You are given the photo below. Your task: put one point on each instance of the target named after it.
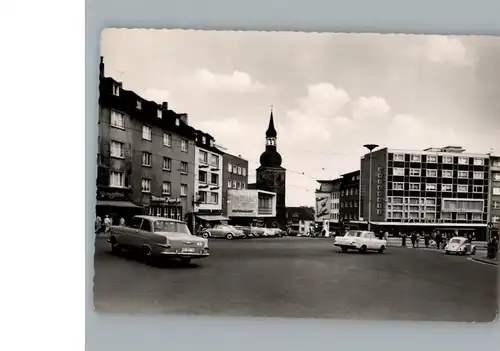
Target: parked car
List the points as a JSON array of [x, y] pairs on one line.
[[223, 231], [247, 230], [360, 240], [459, 246], [158, 237], [275, 232]]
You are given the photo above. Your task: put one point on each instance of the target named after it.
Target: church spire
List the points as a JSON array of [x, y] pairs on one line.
[[271, 131]]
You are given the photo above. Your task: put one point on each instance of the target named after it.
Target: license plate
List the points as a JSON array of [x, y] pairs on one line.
[[188, 250]]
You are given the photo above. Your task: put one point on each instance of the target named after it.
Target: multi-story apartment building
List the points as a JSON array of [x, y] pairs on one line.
[[208, 182], [234, 176], [435, 188], [494, 208], [146, 155], [349, 197], [328, 203]]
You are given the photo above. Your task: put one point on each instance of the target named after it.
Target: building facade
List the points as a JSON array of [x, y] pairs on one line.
[[234, 176], [272, 177], [250, 206], [349, 197], [300, 220], [435, 188], [208, 182], [327, 199], [494, 208], [145, 155]]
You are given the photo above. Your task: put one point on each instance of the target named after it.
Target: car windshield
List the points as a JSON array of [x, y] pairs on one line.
[[356, 233], [455, 241], [171, 227]]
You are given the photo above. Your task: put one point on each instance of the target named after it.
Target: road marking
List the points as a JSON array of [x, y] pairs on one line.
[[484, 263]]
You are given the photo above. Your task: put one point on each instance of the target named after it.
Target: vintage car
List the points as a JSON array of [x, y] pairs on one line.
[[223, 231], [275, 232], [247, 230], [459, 245], [158, 237], [360, 240]]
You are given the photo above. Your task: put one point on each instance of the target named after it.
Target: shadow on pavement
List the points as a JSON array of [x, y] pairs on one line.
[[155, 262]]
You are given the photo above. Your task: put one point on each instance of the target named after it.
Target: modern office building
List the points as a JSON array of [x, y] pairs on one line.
[[349, 197], [494, 208], [435, 188], [234, 176], [245, 207]]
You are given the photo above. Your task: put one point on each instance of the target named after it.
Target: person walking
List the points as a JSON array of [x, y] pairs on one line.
[[413, 239], [107, 224], [122, 221], [426, 239], [403, 239], [438, 239]]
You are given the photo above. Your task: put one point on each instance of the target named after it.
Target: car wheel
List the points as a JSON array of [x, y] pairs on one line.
[[381, 250], [146, 254], [362, 249], [244, 236], [115, 247], [205, 235], [344, 249], [229, 236]]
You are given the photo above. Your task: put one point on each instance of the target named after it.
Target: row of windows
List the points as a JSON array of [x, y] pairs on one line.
[[203, 178], [117, 180], [236, 169], [347, 192], [460, 188], [432, 216], [445, 173], [117, 121], [349, 204], [235, 184], [208, 197], [462, 160], [214, 158]]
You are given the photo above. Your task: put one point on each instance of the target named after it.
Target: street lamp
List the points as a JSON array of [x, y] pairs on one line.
[[370, 147]]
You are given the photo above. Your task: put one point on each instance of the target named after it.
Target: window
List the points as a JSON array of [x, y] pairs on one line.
[[496, 177], [146, 225], [238, 184], [478, 161], [414, 172], [146, 159], [379, 193], [463, 174], [116, 180], [496, 191], [146, 133], [234, 184], [448, 159], [202, 176], [146, 185], [116, 149], [235, 169], [414, 186], [463, 160], [211, 142], [177, 122], [397, 186], [477, 217], [215, 160], [167, 164], [214, 179], [416, 158], [432, 158], [430, 187], [399, 157], [203, 197], [446, 187], [158, 113], [117, 119], [399, 171], [462, 188], [432, 173], [462, 216], [355, 204], [242, 185], [446, 215], [356, 191], [138, 104], [239, 170], [229, 183], [166, 188], [477, 188], [116, 90], [430, 201], [496, 204], [229, 167], [167, 140], [447, 173], [184, 189], [204, 140], [478, 175], [203, 158], [495, 163], [214, 198], [184, 167], [184, 145], [244, 173]]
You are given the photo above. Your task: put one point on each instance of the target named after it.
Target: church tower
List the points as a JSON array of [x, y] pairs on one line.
[[272, 177]]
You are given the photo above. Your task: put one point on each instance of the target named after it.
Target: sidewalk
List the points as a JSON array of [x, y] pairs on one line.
[[483, 259], [393, 241]]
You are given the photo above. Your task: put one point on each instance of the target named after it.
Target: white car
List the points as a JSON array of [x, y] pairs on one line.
[[459, 245], [360, 240]]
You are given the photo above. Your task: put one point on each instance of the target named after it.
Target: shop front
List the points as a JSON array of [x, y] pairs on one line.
[[116, 203], [161, 206]]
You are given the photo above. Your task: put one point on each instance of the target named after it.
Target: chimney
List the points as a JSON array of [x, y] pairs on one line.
[[183, 117], [101, 69], [164, 106]]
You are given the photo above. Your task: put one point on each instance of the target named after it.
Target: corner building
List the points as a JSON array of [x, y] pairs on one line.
[[442, 189]]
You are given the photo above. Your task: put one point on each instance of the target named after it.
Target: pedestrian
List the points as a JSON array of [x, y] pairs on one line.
[[107, 224], [98, 224], [426, 239], [122, 221], [403, 238], [438, 240], [386, 236]]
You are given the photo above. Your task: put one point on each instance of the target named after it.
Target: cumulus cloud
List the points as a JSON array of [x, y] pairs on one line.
[[238, 82], [323, 100], [447, 50], [370, 107]]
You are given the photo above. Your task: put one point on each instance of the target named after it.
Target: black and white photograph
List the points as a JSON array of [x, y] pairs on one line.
[[298, 175]]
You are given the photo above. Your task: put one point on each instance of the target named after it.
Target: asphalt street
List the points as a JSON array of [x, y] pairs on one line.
[[300, 277]]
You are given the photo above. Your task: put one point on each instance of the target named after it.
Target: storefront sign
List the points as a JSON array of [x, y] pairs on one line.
[[157, 199], [166, 200], [112, 194]]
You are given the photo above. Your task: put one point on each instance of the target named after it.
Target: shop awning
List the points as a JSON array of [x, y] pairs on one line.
[[123, 204], [209, 218]]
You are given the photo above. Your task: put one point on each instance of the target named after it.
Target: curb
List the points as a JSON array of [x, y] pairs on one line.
[[485, 261]]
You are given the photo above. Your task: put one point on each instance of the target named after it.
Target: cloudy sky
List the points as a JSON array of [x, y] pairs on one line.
[[331, 93]]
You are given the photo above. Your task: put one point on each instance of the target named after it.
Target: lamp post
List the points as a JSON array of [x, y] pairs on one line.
[[370, 147]]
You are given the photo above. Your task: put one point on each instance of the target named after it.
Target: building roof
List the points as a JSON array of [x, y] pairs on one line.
[[271, 157], [271, 131]]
